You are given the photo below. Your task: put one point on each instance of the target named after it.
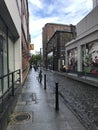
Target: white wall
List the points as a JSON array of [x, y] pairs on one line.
[[95, 3], [88, 24], [18, 55], [14, 12], [16, 17], [87, 31], [11, 55]]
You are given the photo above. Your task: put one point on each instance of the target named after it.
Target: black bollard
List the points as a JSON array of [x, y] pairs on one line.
[[45, 81], [56, 97]]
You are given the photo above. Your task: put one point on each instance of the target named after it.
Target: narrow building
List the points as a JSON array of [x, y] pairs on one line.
[[14, 53]]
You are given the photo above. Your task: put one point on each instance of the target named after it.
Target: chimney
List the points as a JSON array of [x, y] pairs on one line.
[[95, 3]]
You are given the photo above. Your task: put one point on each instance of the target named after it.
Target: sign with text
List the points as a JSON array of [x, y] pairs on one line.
[[31, 46]]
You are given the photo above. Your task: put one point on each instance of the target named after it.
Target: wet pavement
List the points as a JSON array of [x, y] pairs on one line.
[[35, 108], [80, 97]]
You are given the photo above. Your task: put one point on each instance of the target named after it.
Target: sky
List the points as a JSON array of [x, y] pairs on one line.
[[54, 11]]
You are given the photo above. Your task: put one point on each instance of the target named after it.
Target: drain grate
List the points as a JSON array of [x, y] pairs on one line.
[[21, 117]]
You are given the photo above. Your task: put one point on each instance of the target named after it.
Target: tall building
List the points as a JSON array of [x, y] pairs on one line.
[[82, 52], [25, 38], [14, 54], [10, 36], [95, 3], [48, 30]]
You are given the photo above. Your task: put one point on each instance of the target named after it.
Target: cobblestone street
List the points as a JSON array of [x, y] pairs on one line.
[[81, 98]]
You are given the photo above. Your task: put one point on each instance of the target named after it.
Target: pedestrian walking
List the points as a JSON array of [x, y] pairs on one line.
[[40, 76]]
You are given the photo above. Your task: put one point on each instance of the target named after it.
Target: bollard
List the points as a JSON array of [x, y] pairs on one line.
[[56, 97], [45, 81]]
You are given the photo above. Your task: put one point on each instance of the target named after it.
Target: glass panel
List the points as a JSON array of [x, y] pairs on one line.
[[72, 59], [5, 84], [3, 54], [11, 55], [90, 58], [0, 89], [5, 71], [1, 62]]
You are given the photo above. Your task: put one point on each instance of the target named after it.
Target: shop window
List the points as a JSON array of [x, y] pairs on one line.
[[90, 57]]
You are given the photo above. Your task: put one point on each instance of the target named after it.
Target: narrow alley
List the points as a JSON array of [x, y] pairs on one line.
[[35, 109]]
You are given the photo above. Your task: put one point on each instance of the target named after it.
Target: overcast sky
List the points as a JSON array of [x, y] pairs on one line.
[[54, 11]]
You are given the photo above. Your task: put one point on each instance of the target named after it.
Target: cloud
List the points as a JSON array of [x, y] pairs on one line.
[[51, 11], [36, 3], [36, 30]]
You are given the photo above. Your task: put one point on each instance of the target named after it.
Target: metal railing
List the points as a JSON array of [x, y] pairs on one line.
[[8, 85]]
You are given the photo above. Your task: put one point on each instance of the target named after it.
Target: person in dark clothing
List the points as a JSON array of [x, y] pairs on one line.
[[40, 76], [35, 67]]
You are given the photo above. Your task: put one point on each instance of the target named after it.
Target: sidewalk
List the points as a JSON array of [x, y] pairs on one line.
[[35, 109], [85, 79]]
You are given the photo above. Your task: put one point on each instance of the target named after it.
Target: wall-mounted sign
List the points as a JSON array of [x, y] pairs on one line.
[[31, 46]]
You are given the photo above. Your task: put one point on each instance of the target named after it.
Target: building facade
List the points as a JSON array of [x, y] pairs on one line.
[[95, 3], [48, 30], [25, 38], [10, 40], [14, 36], [14, 54], [82, 53], [56, 50]]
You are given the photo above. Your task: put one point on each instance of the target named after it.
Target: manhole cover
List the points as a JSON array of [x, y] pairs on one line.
[[21, 117]]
